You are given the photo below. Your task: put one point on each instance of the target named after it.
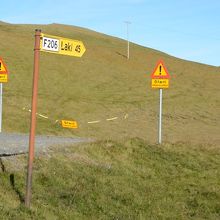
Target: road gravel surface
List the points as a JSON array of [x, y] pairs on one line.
[[12, 143]]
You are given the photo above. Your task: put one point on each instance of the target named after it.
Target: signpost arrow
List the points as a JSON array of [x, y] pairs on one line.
[[63, 46]]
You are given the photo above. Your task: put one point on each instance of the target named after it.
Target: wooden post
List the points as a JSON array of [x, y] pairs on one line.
[[33, 117]]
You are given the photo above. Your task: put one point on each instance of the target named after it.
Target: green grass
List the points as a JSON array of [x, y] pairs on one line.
[[116, 180], [104, 84]]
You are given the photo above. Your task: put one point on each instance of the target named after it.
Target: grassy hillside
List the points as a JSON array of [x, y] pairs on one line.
[[104, 84], [124, 177], [116, 180]]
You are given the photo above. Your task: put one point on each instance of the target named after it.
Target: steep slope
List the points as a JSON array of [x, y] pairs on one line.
[[104, 84]]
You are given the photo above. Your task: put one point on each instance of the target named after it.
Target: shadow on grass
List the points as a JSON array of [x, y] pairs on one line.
[[12, 182], [2, 166], [121, 54], [11, 177]]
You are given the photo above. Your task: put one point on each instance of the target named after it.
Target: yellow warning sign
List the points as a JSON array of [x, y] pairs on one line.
[[160, 71], [160, 83], [3, 78], [3, 68], [69, 124]]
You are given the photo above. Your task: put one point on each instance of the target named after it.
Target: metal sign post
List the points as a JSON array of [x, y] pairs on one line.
[[1, 91], [3, 79], [33, 117], [160, 116], [160, 80]]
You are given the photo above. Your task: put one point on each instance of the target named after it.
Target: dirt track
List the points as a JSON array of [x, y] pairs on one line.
[[13, 143]]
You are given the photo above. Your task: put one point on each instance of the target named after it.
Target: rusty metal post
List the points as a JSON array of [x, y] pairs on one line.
[[33, 117]]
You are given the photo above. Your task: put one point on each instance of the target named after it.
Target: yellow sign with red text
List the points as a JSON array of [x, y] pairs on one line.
[[3, 72], [160, 77]]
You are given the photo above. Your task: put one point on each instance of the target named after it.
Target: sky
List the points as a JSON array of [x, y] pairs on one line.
[[188, 29]]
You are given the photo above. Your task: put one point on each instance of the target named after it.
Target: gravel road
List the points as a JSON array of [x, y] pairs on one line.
[[11, 143]]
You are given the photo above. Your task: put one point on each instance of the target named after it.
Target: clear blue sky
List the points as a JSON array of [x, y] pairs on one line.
[[188, 29]]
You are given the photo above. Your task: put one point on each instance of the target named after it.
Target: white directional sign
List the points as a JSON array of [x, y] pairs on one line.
[[50, 44]]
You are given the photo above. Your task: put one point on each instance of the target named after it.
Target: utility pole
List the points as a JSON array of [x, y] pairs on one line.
[[127, 24]]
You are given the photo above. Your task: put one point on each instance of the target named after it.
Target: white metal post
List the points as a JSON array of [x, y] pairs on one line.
[[128, 42], [128, 46], [160, 117], [1, 90]]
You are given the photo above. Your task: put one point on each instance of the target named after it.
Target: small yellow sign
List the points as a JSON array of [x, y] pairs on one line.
[[160, 83], [3, 68], [69, 124], [160, 72], [63, 46], [3, 78]]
